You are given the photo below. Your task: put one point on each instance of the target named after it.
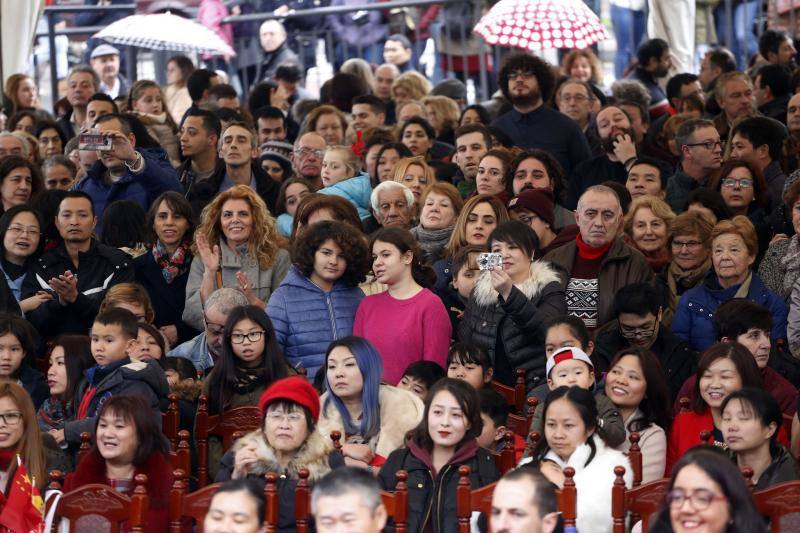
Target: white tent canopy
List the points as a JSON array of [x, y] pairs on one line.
[[17, 29]]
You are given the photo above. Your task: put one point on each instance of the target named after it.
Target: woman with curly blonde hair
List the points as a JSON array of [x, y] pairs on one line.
[[647, 229], [443, 114], [414, 173], [238, 245], [408, 86]]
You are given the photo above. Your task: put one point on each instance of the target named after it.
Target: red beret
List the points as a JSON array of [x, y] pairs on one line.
[[294, 389]]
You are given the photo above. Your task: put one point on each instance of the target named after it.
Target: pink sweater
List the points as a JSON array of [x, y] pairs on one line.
[[404, 331]]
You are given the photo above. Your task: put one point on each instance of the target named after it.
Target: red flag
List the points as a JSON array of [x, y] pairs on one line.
[[23, 511]]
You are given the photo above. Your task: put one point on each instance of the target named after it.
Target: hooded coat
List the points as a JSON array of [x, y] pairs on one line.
[[517, 322], [307, 319], [400, 411], [316, 454], [356, 190]]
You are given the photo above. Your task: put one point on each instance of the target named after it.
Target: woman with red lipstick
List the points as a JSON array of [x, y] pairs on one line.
[[751, 419], [724, 368], [444, 441], [408, 322], [70, 356], [635, 385], [128, 442], [250, 361], [510, 305], [373, 417]]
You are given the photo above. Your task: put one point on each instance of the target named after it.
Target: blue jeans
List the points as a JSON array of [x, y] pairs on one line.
[[745, 42], [629, 27]]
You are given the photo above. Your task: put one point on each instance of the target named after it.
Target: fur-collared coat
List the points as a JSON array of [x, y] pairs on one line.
[[401, 411], [316, 454], [517, 322]]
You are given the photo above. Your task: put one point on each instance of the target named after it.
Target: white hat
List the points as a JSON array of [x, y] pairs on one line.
[[564, 354]]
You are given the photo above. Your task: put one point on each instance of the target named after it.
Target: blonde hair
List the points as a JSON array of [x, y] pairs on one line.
[[723, 79], [739, 225], [415, 84], [351, 161], [658, 206], [401, 168], [444, 189], [594, 63], [459, 236], [30, 446], [12, 86], [446, 111], [264, 239], [128, 293]]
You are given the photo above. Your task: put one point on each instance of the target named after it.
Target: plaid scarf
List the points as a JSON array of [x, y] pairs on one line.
[[172, 266]]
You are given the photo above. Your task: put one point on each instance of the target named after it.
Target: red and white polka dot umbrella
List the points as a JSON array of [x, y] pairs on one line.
[[541, 24]]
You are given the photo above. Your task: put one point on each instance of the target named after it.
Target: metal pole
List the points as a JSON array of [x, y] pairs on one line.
[[133, 67], [51, 42], [484, 76]]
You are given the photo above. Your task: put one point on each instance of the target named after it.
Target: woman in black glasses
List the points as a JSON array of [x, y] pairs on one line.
[[707, 491], [250, 361]]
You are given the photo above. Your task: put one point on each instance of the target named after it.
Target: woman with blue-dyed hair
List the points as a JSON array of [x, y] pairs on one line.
[[373, 418]]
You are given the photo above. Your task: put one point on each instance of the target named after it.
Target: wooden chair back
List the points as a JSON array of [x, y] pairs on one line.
[[519, 424], [514, 396], [86, 445], [641, 502], [224, 426], [180, 457], [506, 459], [778, 501], [396, 502], [185, 506], [635, 458], [302, 502], [170, 421], [567, 498], [96, 506]]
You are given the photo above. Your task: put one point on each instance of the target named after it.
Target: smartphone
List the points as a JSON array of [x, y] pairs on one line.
[[487, 261], [94, 141]]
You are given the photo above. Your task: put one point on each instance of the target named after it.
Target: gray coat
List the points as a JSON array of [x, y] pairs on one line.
[[264, 281]]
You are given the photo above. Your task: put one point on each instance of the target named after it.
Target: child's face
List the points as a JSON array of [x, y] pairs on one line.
[[560, 336], [414, 386], [247, 342], [571, 373], [109, 344], [472, 373], [334, 169], [490, 434], [172, 377], [464, 281], [11, 354]]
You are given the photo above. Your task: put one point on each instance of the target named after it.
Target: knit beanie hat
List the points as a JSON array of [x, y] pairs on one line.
[[294, 389], [564, 354], [539, 201]]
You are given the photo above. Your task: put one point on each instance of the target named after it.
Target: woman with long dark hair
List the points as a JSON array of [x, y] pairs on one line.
[[69, 357], [408, 322]]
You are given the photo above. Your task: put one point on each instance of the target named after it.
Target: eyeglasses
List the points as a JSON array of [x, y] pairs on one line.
[[19, 230], [253, 336], [709, 144], [280, 416], [524, 74], [577, 98], [305, 152], [701, 498], [641, 333], [527, 219], [744, 183], [678, 245], [214, 329], [10, 419]]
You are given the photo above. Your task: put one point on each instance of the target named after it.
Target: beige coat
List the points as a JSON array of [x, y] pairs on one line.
[[401, 411]]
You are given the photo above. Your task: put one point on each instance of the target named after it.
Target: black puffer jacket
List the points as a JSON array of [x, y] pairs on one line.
[[201, 192], [517, 322], [432, 500], [99, 268]]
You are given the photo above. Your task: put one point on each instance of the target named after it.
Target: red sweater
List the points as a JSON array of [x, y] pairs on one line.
[[404, 331]]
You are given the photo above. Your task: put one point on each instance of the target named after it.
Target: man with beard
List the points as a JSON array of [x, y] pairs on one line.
[[736, 99], [72, 279], [472, 143], [777, 48], [307, 158], [527, 82], [204, 349], [538, 170], [199, 136], [700, 156], [618, 140], [127, 172], [715, 63], [654, 63]]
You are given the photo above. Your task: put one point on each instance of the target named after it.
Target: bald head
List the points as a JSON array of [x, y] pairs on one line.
[[383, 79], [272, 35], [307, 155]]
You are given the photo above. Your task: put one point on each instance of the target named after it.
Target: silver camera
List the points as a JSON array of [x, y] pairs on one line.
[[489, 261]]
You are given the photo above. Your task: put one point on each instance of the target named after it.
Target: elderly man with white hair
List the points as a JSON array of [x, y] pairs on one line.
[[393, 205], [598, 263], [13, 144], [276, 50]]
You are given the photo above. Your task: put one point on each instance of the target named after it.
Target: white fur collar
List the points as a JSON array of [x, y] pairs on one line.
[[313, 455], [541, 274]]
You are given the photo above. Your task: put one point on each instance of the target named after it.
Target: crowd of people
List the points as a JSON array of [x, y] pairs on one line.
[[378, 262]]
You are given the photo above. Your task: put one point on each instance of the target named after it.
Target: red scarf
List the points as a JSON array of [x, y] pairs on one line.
[[5, 458], [591, 253]]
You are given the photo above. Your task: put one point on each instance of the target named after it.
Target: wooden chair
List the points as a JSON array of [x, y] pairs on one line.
[[184, 507], [480, 500], [635, 458], [86, 445], [684, 403], [396, 502], [778, 501], [180, 457], [96, 506], [302, 502], [641, 502], [506, 459], [521, 425], [224, 425], [514, 396], [171, 420]]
